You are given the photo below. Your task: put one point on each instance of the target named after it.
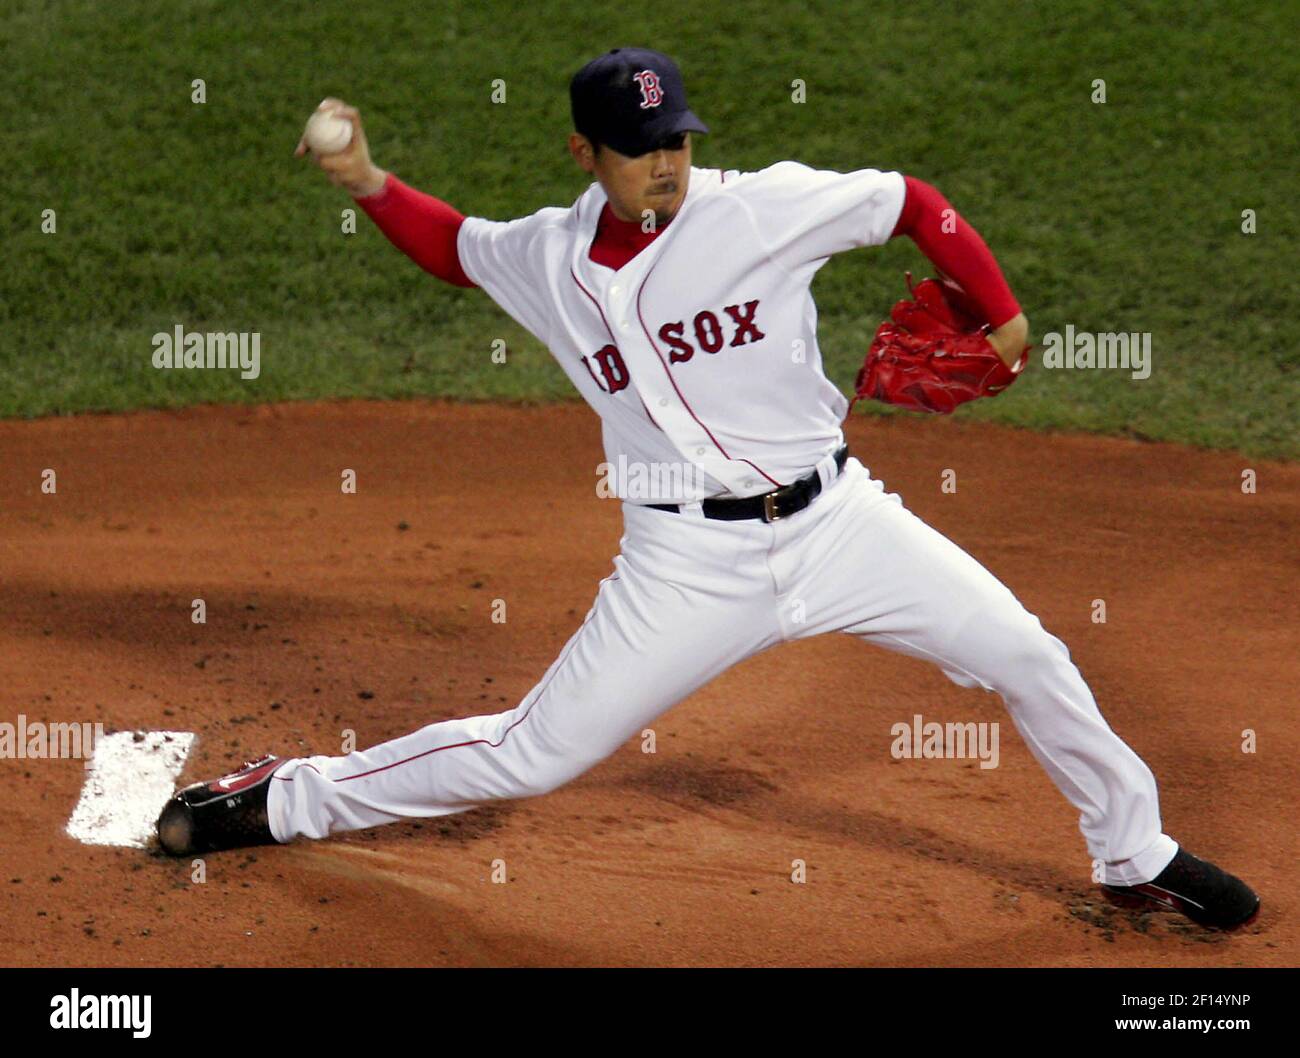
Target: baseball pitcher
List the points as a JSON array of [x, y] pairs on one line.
[[677, 301]]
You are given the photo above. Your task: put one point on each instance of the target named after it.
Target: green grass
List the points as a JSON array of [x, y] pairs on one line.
[[1123, 216]]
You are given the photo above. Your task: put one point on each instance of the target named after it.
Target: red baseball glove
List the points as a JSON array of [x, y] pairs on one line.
[[932, 353]]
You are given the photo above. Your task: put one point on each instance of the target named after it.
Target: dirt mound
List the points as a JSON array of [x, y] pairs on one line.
[[371, 613]]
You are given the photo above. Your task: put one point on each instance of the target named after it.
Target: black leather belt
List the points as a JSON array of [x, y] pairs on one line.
[[771, 506]]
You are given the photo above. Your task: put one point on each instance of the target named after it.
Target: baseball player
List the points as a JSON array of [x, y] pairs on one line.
[[677, 301]]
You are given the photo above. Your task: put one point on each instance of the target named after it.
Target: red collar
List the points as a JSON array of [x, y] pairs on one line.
[[618, 241]]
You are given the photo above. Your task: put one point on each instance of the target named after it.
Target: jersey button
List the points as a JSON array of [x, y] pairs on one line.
[[624, 325], [663, 402], [700, 451], [615, 289]]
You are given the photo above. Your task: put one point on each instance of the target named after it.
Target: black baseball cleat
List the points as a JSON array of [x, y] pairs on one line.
[[1198, 889], [226, 813]]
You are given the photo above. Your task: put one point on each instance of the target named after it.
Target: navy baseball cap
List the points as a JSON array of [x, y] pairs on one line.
[[633, 99]]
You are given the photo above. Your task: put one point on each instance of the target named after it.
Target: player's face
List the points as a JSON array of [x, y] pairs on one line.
[[655, 181]]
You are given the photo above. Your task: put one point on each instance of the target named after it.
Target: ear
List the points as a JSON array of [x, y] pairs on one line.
[[580, 148]]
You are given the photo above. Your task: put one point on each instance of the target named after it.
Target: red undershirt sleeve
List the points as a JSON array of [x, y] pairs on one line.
[[959, 251], [421, 226]]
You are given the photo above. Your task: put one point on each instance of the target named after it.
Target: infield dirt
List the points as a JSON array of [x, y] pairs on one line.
[[373, 612]]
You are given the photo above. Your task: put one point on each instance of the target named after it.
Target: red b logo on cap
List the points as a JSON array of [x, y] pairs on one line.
[[651, 94]]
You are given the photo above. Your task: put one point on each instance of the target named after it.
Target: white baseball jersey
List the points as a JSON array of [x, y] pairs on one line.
[[702, 349]]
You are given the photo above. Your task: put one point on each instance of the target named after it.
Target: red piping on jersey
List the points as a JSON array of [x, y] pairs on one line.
[[597, 304], [607, 331], [612, 339], [685, 402], [505, 734]]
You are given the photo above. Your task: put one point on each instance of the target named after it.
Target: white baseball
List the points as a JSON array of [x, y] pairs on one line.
[[326, 133]]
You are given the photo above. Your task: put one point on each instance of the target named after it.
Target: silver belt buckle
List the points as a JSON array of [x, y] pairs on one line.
[[769, 507]]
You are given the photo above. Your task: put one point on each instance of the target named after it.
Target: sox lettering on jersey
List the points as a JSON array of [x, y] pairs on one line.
[[651, 94], [708, 332]]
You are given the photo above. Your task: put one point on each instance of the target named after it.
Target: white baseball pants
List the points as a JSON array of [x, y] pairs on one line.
[[689, 597]]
